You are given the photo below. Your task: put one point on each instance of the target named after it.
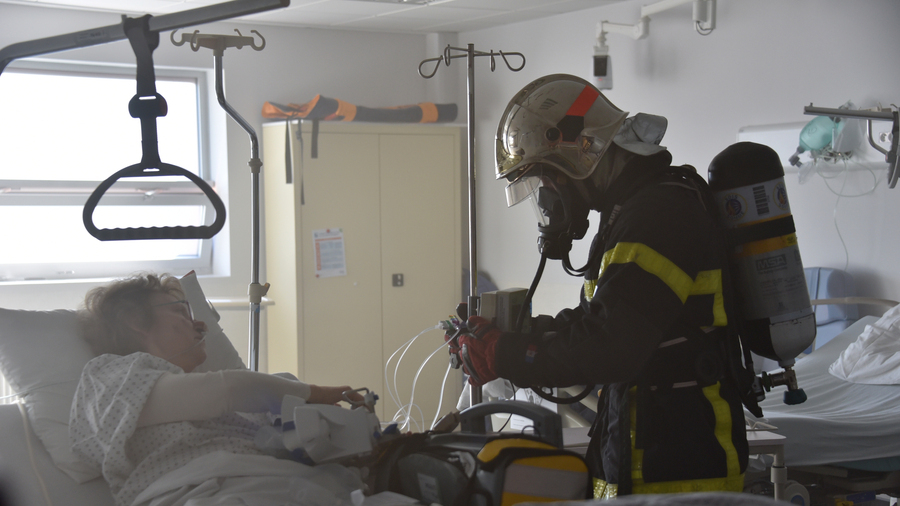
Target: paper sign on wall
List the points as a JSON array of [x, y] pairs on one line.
[[329, 251]]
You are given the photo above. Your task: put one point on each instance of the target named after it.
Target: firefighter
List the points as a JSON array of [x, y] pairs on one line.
[[651, 324]]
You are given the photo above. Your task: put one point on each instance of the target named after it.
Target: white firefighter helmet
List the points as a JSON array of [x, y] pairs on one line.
[[560, 121]]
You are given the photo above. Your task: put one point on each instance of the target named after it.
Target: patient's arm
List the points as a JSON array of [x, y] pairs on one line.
[[201, 396]]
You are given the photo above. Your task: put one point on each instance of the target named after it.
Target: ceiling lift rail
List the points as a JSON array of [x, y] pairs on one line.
[[218, 43], [470, 53], [890, 155], [111, 33]]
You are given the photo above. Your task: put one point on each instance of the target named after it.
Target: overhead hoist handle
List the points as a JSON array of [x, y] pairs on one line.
[[133, 234], [147, 105]]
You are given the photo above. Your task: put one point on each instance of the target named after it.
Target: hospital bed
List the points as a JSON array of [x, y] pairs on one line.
[[846, 435], [41, 356]]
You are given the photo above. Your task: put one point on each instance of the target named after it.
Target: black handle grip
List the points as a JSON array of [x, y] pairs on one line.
[[133, 234], [547, 424]]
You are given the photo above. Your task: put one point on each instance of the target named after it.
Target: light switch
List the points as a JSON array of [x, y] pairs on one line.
[[397, 279]]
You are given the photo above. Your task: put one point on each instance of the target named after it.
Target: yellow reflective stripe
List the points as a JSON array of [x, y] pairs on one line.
[[733, 481], [722, 411], [710, 283], [648, 259], [766, 245], [652, 262], [604, 490], [590, 285], [726, 484]]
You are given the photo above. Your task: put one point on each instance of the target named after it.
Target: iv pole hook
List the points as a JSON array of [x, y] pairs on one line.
[[256, 291], [470, 53]]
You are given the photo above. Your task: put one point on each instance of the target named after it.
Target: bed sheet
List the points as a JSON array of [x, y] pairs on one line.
[[19, 484], [840, 421]]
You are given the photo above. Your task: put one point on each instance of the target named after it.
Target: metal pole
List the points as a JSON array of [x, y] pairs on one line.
[[255, 290], [475, 393]]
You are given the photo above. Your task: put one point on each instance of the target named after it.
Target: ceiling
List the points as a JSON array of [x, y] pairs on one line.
[[404, 16]]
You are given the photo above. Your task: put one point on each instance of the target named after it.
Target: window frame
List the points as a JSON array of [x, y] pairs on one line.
[[22, 192]]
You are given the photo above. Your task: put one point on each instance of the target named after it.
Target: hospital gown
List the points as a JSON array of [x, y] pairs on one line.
[[180, 462]]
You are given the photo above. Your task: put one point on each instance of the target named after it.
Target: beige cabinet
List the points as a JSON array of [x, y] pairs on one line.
[[391, 195]]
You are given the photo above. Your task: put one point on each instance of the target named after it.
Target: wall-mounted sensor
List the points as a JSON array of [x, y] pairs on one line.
[[602, 70]]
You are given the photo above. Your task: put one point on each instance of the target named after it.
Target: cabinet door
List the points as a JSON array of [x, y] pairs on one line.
[[342, 315], [419, 239], [394, 193]]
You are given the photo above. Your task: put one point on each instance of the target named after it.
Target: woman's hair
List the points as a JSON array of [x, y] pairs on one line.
[[112, 313]]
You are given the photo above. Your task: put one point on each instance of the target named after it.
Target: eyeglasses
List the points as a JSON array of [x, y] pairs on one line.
[[186, 305]]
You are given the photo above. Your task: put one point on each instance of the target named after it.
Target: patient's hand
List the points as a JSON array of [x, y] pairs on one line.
[[331, 395]]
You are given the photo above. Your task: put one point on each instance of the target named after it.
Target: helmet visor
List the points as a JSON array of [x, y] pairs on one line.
[[521, 189]]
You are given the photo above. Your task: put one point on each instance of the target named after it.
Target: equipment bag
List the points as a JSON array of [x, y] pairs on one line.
[[474, 468]]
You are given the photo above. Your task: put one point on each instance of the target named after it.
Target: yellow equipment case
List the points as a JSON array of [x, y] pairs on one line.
[[476, 468]]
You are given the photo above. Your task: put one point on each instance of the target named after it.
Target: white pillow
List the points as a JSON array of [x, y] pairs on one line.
[[42, 355], [220, 353], [874, 358]]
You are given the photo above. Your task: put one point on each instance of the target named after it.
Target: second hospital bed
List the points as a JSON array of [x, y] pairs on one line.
[[846, 432]]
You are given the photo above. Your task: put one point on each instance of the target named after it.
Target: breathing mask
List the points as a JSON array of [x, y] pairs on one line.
[[562, 214]]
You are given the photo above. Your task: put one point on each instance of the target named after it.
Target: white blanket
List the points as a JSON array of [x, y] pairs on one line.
[[178, 460], [874, 358], [225, 479]]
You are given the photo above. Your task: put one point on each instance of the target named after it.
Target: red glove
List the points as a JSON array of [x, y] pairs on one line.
[[478, 350]]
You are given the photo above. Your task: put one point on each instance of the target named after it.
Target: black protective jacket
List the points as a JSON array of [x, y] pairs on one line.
[[650, 330]]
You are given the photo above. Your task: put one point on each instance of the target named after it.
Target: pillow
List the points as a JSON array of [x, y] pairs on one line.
[[220, 353], [42, 355], [874, 358]]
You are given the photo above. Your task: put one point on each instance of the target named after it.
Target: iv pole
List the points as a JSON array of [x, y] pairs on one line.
[[218, 43], [470, 53]]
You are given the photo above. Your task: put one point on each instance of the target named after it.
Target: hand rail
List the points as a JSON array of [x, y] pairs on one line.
[[133, 234]]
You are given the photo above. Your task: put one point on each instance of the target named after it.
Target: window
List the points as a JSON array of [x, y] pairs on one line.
[[64, 128]]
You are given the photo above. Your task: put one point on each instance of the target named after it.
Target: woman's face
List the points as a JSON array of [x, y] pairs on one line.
[[174, 335]]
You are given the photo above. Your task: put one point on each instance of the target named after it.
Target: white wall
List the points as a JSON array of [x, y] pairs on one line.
[[765, 61]]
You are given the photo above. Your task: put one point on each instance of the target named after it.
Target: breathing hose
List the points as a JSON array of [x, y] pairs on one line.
[[520, 321]]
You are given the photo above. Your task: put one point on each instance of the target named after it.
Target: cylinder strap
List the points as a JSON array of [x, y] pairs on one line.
[[759, 231]]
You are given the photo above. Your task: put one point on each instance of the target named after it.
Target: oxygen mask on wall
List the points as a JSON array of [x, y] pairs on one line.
[[827, 139]]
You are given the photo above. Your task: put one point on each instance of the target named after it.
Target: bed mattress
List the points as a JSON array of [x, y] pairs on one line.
[[841, 422]]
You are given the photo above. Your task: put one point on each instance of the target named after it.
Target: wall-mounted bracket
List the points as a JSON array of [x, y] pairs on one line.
[[891, 155]]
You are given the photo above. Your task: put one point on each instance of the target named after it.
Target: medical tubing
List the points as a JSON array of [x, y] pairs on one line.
[[387, 382], [437, 412], [189, 348], [520, 321], [405, 347], [412, 394], [410, 418], [526, 305], [27, 426], [396, 393]]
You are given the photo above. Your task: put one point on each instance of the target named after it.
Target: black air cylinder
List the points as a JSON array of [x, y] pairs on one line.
[[777, 319]]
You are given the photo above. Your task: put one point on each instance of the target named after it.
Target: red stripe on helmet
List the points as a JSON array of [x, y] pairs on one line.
[[583, 103]]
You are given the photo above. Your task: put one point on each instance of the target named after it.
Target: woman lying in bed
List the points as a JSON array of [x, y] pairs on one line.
[[162, 435]]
